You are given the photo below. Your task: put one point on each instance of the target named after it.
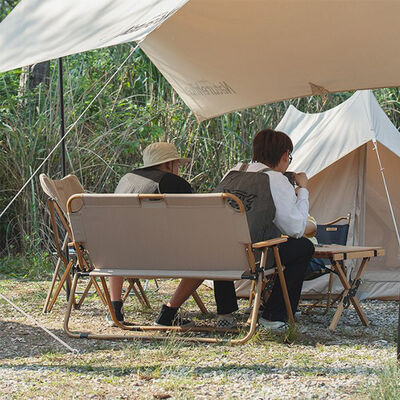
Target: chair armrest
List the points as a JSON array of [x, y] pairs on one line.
[[347, 218], [268, 243]]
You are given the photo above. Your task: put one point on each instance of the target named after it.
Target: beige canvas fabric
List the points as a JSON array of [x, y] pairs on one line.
[[336, 149], [61, 190], [227, 55], [39, 30], [197, 236], [222, 55]]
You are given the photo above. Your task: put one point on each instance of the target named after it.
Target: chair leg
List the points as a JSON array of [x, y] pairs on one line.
[[128, 290], [98, 290], [143, 293], [60, 285], [53, 283], [283, 286], [137, 293], [251, 296], [78, 304], [56, 271], [140, 294], [199, 302]]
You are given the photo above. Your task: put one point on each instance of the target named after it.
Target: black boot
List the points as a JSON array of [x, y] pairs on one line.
[[168, 317], [119, 312]]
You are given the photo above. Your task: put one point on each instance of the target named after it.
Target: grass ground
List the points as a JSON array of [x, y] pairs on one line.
[[315, 365]]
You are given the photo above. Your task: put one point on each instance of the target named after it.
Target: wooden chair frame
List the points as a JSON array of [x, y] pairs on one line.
[[260, 276], [328, 300], [63, 259]]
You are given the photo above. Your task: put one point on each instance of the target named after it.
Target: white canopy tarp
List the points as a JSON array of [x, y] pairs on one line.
[[40, 30], [336, 150], [222, 55]]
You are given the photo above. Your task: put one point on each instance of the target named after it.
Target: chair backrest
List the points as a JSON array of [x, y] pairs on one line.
[[171, 235], [61, 190], [333, 233]]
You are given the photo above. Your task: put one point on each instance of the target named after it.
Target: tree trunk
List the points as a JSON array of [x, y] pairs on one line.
[[34, 75], [39, 73]]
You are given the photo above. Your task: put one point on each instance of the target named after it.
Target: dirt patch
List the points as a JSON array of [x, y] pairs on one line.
[[318, 364]]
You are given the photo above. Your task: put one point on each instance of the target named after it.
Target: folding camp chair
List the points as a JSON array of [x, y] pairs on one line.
[[328, 233], [159, 231], [59, 191]]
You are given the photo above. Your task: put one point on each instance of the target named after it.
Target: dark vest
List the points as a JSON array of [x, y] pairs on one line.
[[254, 190], [141, 181]]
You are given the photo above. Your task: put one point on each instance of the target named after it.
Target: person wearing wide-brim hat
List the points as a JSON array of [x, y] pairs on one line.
[[159, 174], [161, 163]]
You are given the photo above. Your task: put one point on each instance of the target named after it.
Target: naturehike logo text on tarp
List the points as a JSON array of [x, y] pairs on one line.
[[156, 21], [206, 88]]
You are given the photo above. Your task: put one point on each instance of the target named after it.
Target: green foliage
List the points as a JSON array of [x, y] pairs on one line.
[[29, 267], [137, 108], [388, 385]]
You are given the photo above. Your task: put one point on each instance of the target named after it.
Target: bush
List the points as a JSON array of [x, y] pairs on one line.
[[137, 108], [30, 267]]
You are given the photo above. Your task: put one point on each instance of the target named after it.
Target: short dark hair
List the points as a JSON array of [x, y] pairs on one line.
[[270, 145]]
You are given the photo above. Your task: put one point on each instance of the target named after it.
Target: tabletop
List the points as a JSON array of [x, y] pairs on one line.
[[338, 252]]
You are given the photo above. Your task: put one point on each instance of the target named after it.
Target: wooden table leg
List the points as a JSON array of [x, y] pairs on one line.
[[340, 306], [352, 297]]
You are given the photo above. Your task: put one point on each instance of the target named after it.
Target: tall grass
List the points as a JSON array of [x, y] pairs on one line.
[[388, 385], [137, 108]]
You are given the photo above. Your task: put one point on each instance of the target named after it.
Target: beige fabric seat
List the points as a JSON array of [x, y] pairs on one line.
[[168, 236], [59, 192]]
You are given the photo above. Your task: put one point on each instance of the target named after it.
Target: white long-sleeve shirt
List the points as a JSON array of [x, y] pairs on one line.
[[291, 209]]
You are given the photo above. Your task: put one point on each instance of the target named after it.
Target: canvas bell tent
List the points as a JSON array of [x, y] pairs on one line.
[[350, 152]]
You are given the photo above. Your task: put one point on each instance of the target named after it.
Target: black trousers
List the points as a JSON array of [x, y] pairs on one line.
[[295, 255], [225, 297]]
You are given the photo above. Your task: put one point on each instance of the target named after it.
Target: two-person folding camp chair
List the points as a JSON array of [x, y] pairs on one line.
[[332, 232], [168, 236], [59, 192]]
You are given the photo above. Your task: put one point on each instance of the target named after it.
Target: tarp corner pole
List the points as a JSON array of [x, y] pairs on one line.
[[62, 121]]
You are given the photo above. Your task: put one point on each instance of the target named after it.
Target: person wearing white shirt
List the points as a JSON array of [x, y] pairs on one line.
[[272, 156]]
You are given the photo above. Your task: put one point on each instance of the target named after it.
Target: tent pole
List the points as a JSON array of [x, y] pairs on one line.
[[387, 191], [62, 144], [62, 121]]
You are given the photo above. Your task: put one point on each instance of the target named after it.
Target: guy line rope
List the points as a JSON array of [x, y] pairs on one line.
[[387, 191], [38, 169], [68, 131]]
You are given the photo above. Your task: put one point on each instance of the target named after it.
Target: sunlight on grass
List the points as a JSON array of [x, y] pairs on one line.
[[388, 385]]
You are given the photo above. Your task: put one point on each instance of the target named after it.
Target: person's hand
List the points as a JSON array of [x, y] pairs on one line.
[[301, 179]]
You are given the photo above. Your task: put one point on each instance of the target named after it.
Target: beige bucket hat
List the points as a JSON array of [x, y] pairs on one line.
[[161, 152]]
